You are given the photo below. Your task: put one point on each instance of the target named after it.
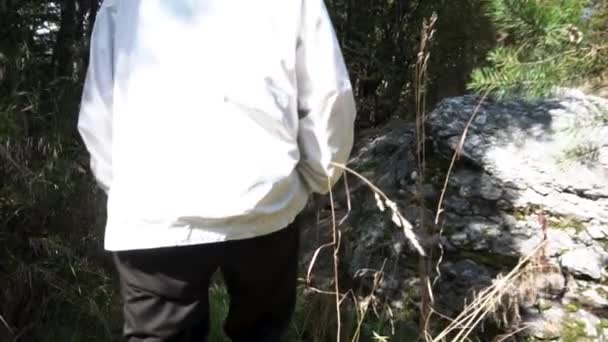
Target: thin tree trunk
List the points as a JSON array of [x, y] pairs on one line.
[[64, 51]]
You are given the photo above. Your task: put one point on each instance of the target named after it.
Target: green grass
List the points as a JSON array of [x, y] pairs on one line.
[[314, 320], [574, 331], [65, 295]]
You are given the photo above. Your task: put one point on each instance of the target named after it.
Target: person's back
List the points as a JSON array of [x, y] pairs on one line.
[[211, 121]]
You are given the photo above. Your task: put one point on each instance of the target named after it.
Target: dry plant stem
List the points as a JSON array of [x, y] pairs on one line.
[[456, 155], [329, 293], [365, 310], [477, 310], [473, 319], [336, 244], [348, 203], [447, 318], [407, 227], [512, 333], [8, 327], [424, 262], [440, 259], [392, 320], [313, 261]]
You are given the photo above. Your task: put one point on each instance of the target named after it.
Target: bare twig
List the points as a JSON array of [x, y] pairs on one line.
[[512, 333], [440, 259], [8, 327], [313, 261], [424, 263], [336, 244], [456, 155], [348, 203], [329, 293], [370, 297]]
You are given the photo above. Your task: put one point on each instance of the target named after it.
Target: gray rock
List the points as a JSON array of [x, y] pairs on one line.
[[489, 189], [592, 325], [509, 220], [429, 192], [459, 239], [584, 262], [558, 243], [466, 271], [546, 326], [597, 231], [503, 245], [458, 205], [513, 167], [595, 296], [521, 144], [562, 323]]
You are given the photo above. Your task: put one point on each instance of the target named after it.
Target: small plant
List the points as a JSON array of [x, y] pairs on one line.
[[219, 303], [572, 307]]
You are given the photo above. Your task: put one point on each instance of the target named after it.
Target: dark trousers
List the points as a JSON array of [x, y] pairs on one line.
[[165, 290]]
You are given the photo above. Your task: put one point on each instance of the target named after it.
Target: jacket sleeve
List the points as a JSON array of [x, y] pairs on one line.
[[95, 117], [325, 100]]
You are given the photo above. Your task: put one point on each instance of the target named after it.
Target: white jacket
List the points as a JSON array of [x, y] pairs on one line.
[[212, 120]]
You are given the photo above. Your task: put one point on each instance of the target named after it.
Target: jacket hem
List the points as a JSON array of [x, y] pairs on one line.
[[122, 236]]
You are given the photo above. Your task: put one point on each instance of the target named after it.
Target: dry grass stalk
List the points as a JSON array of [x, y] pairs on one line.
[[424, 263], [505, 337], [8, 327], [384, 202], [428, 311], [348, 203], [313, 261], [504, 294], [364, 305], [336, 246], [463, 321], [456, 155]]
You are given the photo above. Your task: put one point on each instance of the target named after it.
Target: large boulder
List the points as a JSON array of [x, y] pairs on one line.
[[528, 172]]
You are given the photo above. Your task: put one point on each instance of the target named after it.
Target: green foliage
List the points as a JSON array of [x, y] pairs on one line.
[[380, 44], [573, 331], [56, 285], [543, 44], [585, 153], [572, 307]]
